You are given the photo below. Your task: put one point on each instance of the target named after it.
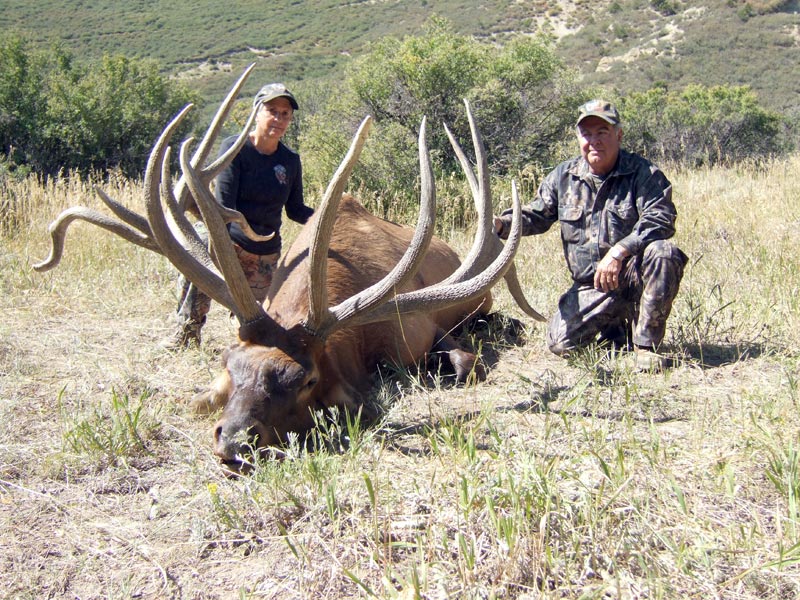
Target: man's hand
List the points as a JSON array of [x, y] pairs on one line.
[[606, 277]]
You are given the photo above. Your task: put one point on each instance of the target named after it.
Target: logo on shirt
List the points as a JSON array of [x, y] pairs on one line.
[[280, 174]]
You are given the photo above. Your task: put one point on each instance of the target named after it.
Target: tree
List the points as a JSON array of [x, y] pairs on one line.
[[522, 96], [22, 98]]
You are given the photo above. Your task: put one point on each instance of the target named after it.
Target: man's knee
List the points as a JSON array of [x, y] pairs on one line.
[[664, 250], [557, 340]]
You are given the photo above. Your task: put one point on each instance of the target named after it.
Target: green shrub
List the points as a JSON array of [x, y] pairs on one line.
[[665, 7], [522, 96], [702, 125], [745, 12], [56, 115]]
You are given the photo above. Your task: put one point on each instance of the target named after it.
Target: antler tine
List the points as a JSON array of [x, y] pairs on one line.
[[319, 315], [246, 307], [407, 267], [515, 289], [437, 297], [133, 228], [486, 245], [216, 167], [58, 233], [207, 143], [483, 250], [191, 240], [228, 215], [126, 215]]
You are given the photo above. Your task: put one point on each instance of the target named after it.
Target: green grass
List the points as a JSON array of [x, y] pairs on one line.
[[112, 436]]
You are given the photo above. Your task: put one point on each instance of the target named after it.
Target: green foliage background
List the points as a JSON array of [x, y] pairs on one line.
[[521, 95], [702, 125], [58, 114], [679, 42], [88, 85]]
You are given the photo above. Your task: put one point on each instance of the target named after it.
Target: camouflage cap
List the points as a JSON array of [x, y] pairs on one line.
[[599, 108], [272, 91]]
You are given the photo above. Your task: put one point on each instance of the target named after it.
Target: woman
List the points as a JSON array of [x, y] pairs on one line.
[[263, 180]]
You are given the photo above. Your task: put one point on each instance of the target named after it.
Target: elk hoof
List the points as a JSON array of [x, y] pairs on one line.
[[467, 366]]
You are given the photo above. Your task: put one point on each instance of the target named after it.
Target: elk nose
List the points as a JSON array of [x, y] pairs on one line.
[[233, 439]]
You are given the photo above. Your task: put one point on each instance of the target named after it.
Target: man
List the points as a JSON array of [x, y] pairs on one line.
[[616, 215], [263, 180]]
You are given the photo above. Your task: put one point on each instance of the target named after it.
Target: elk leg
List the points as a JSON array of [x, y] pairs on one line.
[[464, 363]]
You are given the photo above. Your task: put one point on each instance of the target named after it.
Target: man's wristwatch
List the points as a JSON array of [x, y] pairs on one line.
[[616, 253]]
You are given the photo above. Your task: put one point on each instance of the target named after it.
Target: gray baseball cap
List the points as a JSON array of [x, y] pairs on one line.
[[272, 91], [599, 108]]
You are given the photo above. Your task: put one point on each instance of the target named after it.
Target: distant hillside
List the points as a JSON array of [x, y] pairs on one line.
[[633, 46], [624, 44]]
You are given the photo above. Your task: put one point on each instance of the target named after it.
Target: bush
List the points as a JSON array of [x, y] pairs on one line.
[[522, 96], [59, 116], [702, 125]]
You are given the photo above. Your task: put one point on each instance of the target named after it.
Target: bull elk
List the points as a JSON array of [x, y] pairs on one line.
[[352, 291]]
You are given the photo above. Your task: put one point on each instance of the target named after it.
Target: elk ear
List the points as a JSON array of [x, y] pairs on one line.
[[215, 397]]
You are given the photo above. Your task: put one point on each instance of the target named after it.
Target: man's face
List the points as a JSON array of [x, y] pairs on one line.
[[275, 116], [599, 141]]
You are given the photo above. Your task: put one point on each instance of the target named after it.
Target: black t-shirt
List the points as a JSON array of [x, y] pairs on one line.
[[260, 186]]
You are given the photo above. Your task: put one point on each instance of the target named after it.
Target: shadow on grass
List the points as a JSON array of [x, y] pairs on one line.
[[710, 356], [492, 335], [486, 336], [534, 405]]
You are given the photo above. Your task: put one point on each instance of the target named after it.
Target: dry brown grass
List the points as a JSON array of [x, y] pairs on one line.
[[549, 480]]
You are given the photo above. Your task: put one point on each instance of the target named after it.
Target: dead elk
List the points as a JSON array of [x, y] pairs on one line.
[[352, 291]]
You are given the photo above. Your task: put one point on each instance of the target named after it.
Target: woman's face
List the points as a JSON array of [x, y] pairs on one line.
[[274, 117], [599, 141]]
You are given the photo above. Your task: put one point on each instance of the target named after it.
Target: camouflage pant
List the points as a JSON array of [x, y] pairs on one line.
[[637, 311], [194, 305]]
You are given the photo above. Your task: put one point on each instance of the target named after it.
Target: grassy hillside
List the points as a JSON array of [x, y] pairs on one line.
[[200, 39], [626, 44]]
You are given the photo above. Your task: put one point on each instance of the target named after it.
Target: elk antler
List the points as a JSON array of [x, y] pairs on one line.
[[373, 304], [318, 313], [322, 319], [486, 245], [171, 233]]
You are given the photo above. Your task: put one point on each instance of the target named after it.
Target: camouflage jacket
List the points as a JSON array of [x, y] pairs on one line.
[[631, 207]]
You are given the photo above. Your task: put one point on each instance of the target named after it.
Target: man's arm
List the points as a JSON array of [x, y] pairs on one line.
[[656, 221], [657, 213]]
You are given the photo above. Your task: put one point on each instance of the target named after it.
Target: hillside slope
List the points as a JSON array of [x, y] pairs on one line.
[[712, 42], [624, 44]]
